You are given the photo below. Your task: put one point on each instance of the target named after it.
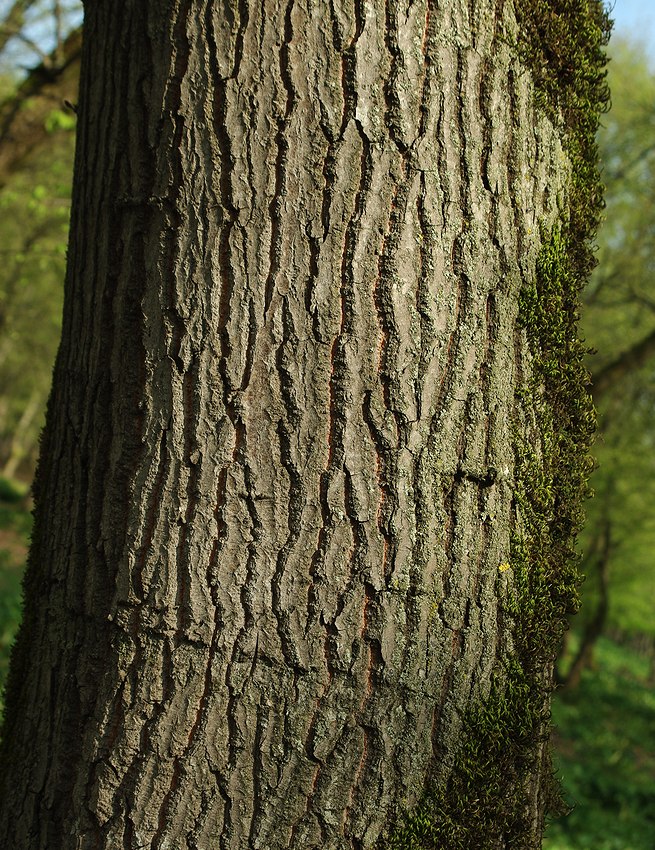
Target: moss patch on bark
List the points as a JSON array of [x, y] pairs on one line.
[[504, 749]]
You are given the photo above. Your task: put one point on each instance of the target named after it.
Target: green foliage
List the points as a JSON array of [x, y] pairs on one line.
[[60, 120], [11, 492], [15, 528], [34, 212], [606, 755], [624, 491], [15, 516], [10, 614], [619, 307], [7, 85], [619, 313]]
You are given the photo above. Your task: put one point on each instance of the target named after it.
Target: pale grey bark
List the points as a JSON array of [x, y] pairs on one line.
[[277, 480]]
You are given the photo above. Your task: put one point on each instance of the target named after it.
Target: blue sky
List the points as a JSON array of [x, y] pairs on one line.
[[635, 17]]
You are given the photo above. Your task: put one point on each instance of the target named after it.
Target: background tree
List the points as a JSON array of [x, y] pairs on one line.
[[618, 323], [317, 436], [36, 28], [35, 206], [36, 151], [604, 739]]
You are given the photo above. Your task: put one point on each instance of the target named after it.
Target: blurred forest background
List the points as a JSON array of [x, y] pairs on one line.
[[604, 710]]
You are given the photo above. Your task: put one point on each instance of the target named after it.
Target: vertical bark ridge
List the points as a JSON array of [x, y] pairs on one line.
[[282, 143]]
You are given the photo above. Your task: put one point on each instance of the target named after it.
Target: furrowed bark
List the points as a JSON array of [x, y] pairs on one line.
[[276, 494]]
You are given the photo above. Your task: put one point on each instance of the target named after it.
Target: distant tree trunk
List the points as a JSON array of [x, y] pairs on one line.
[[316, 439], [650, 654], [21, 442], [594, 628]]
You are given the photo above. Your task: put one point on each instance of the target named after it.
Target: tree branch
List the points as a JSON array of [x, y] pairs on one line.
[[13, 21], [628, 361], [23, 129]]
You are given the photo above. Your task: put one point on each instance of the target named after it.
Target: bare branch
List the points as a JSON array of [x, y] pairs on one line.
[[57, 13], [13, 21], [628, 361], [46, 60], [22, 130]]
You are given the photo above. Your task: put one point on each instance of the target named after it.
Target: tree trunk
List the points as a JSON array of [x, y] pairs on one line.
[[299, 483]]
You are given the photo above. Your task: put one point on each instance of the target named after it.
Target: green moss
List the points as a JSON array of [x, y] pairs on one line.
[[484, 806], [504, 745], [562, 42], [552, 481]]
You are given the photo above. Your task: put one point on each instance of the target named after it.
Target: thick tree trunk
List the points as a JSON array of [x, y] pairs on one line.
[[274, 567]]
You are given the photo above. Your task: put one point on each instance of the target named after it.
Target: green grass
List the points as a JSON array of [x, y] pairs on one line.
[[605, 746]]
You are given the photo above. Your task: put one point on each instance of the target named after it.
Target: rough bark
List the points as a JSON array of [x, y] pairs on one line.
[[276, 499]]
